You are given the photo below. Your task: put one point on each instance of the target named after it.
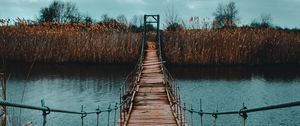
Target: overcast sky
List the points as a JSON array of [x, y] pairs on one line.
[[285, 13]]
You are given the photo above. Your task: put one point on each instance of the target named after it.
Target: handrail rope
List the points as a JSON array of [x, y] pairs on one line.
[[48, 109], [245, 110], [173, 93], [131, 83]]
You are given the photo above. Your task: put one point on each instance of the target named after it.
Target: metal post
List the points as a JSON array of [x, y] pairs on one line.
[[115, 117], [82, 115], [98, 112], [201, 114], [215, 116], [177, 104], [243, 115], [120, 113], [45, 112], [244, 122], [108, 114], [144, 33], [191, 111], [180, 109], [158, 37], [3, 79], [184, 109]]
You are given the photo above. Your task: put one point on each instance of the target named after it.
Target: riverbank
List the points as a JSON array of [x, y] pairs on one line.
[[59, 43]]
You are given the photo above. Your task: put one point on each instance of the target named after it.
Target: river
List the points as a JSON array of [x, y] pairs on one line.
[[225, 88]]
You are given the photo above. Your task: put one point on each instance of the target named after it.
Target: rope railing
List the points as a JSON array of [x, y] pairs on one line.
[[243, 112], [47, 110], [172, 89], [128, 89]]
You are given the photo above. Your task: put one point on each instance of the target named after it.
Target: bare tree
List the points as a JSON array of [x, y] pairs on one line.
[[88, 20], [52, 13], [60, 12], [122, 19], [134, 20], [265, 21], [226, 15], [205, 23], [105, 18], [171, 17], [141, 20], [172, 20], [194, 22], [70, 13]]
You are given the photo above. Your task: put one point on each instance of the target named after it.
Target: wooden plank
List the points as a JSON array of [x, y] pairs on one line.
[[153, 63], [151, 105]]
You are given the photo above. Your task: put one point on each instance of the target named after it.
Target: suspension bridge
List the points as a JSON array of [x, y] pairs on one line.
[[149, 95]]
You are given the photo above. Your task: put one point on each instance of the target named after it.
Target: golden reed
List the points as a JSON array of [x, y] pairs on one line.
[[68, 43], [232, 46], [100, 44]]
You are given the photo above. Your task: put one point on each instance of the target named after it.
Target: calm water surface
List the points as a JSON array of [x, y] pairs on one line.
[[68, 86]]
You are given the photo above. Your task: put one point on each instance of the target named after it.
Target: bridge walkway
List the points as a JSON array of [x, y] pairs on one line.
[[151, 105]]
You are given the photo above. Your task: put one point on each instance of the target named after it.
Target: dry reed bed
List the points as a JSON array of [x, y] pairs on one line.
[[99, 44], [232, 46], [69, 43]]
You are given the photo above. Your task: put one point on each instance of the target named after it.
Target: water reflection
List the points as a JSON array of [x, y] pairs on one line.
[[231, 73], [69, 71]]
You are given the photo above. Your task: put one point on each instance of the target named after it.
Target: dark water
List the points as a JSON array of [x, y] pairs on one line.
[[65, 87], [227, 88], [68, 86]]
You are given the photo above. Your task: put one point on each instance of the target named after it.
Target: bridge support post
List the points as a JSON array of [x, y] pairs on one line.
[[82, 115], [243, 115], [3, 86]]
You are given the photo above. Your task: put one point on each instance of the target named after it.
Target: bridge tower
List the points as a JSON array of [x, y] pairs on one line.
[[149, 20]]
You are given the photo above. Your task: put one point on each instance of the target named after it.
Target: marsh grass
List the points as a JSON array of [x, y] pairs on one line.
[[69, 43], [232, 46], [95, 43]]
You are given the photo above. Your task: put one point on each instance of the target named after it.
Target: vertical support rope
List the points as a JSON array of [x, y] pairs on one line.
[[120, 100], [177, 106], [200, 113], [115, 117], [191, 111], [98, 112], [184, 109], [215, 116], [3, 84], [45, 112], [108, 114], [84, 114]]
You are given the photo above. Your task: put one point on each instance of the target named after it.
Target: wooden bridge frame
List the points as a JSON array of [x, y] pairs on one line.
[[156, 20]]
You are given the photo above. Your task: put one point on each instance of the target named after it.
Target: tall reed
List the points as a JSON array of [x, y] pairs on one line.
[[69, 43], [101, 44], [232, 46]]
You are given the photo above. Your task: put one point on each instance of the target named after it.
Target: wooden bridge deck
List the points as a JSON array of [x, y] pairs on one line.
[[151, 105]]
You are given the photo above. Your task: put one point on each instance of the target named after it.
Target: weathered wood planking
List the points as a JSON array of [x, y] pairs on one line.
[[150, 105]]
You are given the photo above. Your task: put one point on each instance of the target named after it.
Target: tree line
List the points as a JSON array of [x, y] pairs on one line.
[[225, 16]]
